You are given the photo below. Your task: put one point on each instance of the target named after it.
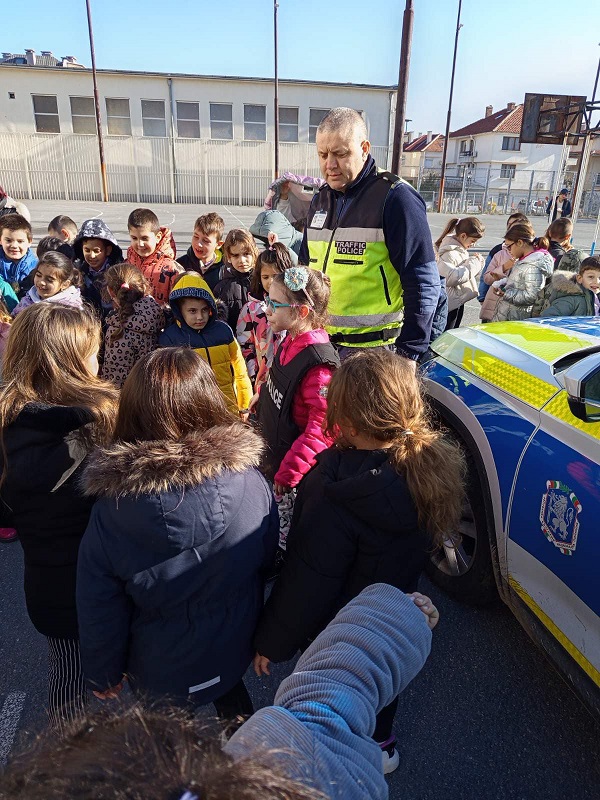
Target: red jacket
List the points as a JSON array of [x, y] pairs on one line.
[[159, 268], [308, 410]]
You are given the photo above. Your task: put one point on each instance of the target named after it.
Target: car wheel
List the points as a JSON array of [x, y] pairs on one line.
[[465, 570]]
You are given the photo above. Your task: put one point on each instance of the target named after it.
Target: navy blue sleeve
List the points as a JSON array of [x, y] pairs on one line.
[[408, 240]]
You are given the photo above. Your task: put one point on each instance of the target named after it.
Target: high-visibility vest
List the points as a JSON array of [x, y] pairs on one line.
[[366, 305]]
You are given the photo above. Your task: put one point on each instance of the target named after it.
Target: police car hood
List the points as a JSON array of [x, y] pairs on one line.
[[534, 346], [364, 483]]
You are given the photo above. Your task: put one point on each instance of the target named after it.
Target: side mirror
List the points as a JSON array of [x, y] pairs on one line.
[[582, 382]]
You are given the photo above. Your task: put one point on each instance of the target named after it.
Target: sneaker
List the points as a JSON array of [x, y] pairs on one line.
[[8, 535], [390, 758]]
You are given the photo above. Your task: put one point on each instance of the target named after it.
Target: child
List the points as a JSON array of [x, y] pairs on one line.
[[575, 295], [458, 267], [17, 260], [196, 326], [97, 249], [257, 340], [483, 286], [47, 243], [241, 253], [132, 329], [292, 403], [532, 265], [55, 280], [152, 250], [204, 255], [63, 228], [559, 235], [498, 268], [170, 576], [369, 512]]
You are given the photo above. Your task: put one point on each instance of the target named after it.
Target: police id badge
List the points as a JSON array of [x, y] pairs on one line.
[[318, 220]]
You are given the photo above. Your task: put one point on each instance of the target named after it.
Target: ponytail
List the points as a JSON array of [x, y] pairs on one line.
[[540, 243], [127, 285], [471, 226], [450, 225]]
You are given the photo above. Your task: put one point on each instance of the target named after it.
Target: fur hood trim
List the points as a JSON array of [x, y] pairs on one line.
[[154, 467], [565, 282]]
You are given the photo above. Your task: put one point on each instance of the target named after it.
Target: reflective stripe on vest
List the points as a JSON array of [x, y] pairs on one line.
[[366, 292]]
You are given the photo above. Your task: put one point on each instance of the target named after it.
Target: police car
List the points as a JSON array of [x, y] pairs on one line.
[[523, 398]]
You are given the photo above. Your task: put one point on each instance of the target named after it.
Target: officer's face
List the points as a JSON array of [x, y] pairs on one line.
[[342, 155]]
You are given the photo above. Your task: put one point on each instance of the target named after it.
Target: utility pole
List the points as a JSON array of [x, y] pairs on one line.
[[275, 7], [407, 27], [447, 135], [97, 105]]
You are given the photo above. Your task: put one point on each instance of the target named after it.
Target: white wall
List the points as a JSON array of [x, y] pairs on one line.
[[16, 116]]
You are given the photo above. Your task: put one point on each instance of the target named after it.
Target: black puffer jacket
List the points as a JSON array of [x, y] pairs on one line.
[[233, 292], [354, 524], [45, 454]]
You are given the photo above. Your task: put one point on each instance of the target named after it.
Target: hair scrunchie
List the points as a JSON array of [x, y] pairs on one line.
[[125, 285]]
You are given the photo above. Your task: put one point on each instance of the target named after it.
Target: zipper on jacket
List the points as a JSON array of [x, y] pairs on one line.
[[335, 227], [385, 285], [207, 352]]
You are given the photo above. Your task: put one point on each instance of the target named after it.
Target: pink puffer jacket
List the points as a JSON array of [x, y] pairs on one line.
[[494, 271], [308, 410]]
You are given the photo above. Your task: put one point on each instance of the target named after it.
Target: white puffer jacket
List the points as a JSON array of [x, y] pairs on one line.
[[460, 269]]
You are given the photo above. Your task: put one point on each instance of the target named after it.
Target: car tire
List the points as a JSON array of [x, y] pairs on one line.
[[466, 570]]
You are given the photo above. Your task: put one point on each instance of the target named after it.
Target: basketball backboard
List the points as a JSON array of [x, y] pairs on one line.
[[547, 117]]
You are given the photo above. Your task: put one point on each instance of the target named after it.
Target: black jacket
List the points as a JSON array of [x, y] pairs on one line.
[[354, 524], [233, 292], [45, 453], [212, 276], [171, 567]]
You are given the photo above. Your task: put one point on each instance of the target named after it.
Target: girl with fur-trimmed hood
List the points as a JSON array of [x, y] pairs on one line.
[[172, 564]]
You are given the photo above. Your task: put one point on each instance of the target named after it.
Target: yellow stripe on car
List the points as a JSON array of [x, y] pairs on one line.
[[575, 654], [531, 390], [558, 407]]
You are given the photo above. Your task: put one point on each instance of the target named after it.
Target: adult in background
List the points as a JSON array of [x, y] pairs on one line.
[[368, 230], [562, 206], [8, 205]]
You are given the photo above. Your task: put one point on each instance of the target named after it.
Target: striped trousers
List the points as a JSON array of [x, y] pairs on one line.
[[66, 688]]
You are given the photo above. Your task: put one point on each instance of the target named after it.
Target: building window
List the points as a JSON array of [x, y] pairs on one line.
[[511, 143], [314, 120], [221, 121], [188, 120], [507, 171], [288, 124], [597, 179], [45, 111], [255, 123], [153, 118], [83, 114], [466, 147], [118, 119]]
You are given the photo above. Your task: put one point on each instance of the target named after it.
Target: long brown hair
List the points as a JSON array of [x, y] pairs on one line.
[[240, 236], [276, 256], [143, 754], [45, 362], [469, 225], [378, 393], [524, 233], [169, 394], [128, 285]]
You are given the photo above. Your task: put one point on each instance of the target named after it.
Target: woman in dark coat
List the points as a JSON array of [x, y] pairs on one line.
[[172, 565], [53, 409]]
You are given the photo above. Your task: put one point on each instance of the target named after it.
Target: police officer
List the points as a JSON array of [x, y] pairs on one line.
[[368, 230]]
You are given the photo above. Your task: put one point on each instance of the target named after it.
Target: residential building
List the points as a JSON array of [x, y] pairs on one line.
[[421, 154]]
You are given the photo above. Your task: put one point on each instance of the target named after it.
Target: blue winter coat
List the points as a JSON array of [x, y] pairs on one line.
[[15, 272], [171, 567]]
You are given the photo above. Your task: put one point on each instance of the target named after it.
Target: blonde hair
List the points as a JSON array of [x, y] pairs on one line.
[[378, 393], [45, 362]]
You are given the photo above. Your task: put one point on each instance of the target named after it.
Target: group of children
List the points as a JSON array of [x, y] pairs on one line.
[[524, 276]]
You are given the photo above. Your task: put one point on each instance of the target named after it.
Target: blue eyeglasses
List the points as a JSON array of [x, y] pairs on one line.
[[273, 305]]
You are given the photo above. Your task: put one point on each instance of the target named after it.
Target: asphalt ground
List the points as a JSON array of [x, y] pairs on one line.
[[487, 717]]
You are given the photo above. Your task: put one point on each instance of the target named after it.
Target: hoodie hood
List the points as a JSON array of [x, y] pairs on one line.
[[191, 286], [275, 222], [97, 229], [541, 259], [365, 483], [166, 246], [154, 467], [566, 282]]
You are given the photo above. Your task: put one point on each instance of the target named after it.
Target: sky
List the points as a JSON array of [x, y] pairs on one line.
[[506, 47]]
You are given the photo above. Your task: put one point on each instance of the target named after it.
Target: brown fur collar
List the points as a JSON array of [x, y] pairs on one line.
[[154, 467], [565, 282]]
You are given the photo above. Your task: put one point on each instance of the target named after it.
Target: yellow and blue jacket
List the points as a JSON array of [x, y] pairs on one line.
[[215, 343]]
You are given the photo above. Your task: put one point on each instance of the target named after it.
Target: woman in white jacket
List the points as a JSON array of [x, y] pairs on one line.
[[459, 267]]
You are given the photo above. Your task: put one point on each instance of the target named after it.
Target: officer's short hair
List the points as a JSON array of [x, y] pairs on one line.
[[344, 119]]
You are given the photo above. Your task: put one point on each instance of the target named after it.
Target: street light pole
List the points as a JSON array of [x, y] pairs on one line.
[[276, 101], [97, 105], [407, 27], [447, 135]]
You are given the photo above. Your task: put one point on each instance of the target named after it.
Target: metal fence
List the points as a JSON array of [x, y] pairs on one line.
[[487, 190], [148, 169]]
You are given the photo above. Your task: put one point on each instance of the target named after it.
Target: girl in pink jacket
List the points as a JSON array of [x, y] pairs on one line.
[[293, 401]]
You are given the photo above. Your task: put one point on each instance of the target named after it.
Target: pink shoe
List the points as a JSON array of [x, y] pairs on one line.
[[8, 535]]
